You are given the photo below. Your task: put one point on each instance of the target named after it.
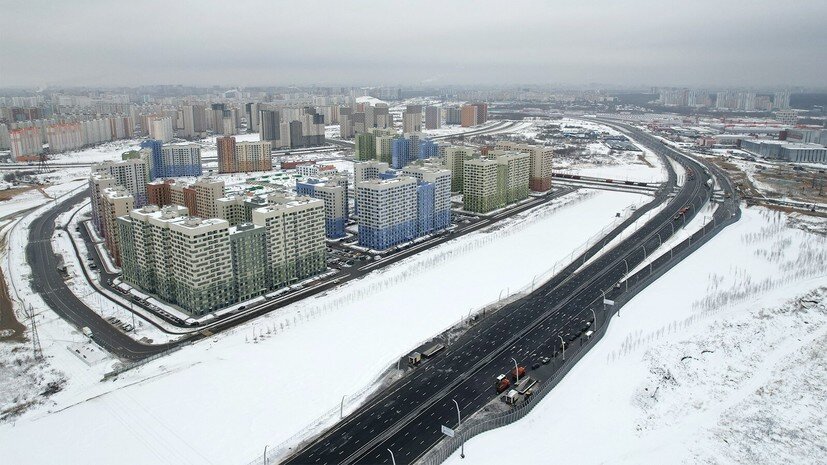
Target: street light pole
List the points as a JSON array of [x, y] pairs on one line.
[[516, 370], [627, 274], [265, 454], [564, 346], [342, 407], [393, 460], [459, 422], [594, 317]]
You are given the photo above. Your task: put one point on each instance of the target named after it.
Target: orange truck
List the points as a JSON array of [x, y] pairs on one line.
[[501, 383], [518, 372]]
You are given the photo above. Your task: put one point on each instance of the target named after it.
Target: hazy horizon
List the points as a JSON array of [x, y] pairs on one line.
[[638, 43]]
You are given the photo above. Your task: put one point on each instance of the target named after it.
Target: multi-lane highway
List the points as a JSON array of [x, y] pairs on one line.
[[407, 417]]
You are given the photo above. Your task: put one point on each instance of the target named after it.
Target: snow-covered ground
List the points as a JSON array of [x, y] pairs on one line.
[[223, 399], [722, 360], [108, 151]]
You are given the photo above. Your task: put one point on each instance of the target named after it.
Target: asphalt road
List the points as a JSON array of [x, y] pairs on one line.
[[406, 418], [50, 284]]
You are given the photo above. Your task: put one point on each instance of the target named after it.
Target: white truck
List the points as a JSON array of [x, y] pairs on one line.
[[87, 332]]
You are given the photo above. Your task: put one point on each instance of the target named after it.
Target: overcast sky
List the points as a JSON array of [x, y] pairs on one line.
[[629, 42]]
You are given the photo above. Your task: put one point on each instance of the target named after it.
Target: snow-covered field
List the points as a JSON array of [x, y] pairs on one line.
[[722, 360], [222, 400], [108, 151]]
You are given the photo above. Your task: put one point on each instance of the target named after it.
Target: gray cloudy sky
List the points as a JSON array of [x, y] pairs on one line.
[[630, 42]]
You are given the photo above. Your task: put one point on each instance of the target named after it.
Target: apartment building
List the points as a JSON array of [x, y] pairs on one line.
[[295, 230], [540, 167], [433, 118], [435, 199], [333, 192], [479, 185], [248, 246], [365, 146], [207, 191], [387, 211], [513, 177], [201, 264], [412, 119], [232, 208], [114, 202], [455, 157], [132, 174]]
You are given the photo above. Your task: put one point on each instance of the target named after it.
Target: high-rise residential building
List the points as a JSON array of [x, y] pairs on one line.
[[365, 146], [384, 148], [5, 140], [216, 121], [334, 194], [382, 118], [440, 209], [98, 182], [114, 202], [201, 264], [207, 191], [482, 112], [158, 193], [194, 121], [513, 178], [295, 231], [270, 125], [63, 137], [227, 162], [160, 128], [479, 185], [402, 153], [346, 130], [296, 134], [453, 115], [428, 149], [412, 119], [387, 212], [468, 116], [359, 124], [492, 183], [248, 245], [177, 160], [254, 156], [455, 157], [541, 162], [781, 100], [146, 255], [787, 117], [132, 174], [251, 114], [233, 209], [432, 117], [25, 143]]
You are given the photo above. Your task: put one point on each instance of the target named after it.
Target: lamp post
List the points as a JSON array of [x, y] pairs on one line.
[[459, 422], [564, 346], [393, 460], [516, 370], [265, 454]]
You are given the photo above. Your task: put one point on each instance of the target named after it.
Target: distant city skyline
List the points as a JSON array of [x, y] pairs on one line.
[[635, 43]]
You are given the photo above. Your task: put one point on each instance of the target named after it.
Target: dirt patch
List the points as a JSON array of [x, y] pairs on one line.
[[9, 193], [642, 158]]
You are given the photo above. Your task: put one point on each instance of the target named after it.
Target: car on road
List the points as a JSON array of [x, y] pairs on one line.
[[545, 360], [535, 366], [127, 327]]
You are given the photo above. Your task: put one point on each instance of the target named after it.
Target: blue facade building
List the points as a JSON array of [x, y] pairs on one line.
[[170, 161], [387, 212], [428, 149], [401, 153], [424, 208], [334, 194], [157, 158]]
